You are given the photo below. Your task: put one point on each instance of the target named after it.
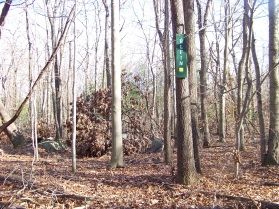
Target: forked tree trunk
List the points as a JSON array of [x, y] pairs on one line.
[[240, 76]]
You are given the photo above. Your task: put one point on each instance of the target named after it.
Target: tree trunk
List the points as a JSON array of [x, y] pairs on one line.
[[117, 146], [57, 103], [189, 20], [106, 53], [164, 44], [32, 102], [186, 171], [11, 131], [273, 142], [259, 99], [222, 114], [74, 110], [240, 140], [203, 72], [4, 13]]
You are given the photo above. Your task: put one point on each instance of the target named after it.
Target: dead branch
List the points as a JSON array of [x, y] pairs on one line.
[[54, 193], [264, 204], [270, 184]]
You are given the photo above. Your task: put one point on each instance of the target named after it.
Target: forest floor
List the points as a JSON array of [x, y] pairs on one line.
[[144, 182]]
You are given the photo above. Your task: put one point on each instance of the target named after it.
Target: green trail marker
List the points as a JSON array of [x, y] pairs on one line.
[[181, 57]]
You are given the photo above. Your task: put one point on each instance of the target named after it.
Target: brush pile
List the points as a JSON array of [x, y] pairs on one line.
[[94, 136]]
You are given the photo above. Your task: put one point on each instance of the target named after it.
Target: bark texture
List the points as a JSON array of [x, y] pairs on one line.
[[273, 142], [186, 171], [189, 19], [203, 72], [117, 146]]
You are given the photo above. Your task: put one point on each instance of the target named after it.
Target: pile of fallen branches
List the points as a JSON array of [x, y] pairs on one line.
[[94, 122]]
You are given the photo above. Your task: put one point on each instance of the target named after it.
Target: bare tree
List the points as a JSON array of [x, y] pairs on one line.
[[97, 40], [32, 102], [240, 74], [222, 108], [74, 106], [57, 103], [259, 98], [202, 21], [164, 44]]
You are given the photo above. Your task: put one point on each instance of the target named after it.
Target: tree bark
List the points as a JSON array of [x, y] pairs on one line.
[[189, 20], [4, 13], [164, 44], [259, 99], [117, 145], [57, 103], [106, 52], [273, 142], [222, 114], [186, 171], [74, 99], [240, 77], [203, 72]]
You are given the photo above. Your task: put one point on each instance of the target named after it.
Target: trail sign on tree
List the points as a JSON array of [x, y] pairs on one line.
[[181, 57]]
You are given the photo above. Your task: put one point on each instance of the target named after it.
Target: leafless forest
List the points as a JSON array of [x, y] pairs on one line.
[[139, 104]]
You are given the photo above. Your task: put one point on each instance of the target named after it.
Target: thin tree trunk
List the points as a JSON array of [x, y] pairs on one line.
[[106, 53], [248, 97], [4, 13], [117, 146], [32, 102], [259, 99], [203, 72], [240, 77], [74, 107], [164, 44], [87, 57], [167, 90], [57, 78], [222, 114]]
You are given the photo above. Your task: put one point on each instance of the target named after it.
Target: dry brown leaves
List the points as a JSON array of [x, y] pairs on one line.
[[145, 181]]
